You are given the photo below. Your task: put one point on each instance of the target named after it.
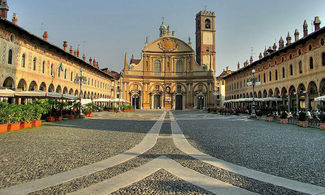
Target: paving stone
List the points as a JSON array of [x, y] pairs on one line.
[[57, 147]]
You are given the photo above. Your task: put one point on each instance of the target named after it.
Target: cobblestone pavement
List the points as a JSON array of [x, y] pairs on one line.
[[34, 153], [284, 150], [222, 137]]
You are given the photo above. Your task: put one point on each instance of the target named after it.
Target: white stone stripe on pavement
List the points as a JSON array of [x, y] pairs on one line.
[[182, 144], [125, 179], [148, 142]]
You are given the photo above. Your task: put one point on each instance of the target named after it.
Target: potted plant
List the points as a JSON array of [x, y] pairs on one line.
[[322, 121], [302, 117], [14, 117], [3, 117], [51, 110], [26, 115], [39, 109], [259, 115], [269, 116], [284, 117], [87, 110], [111, 109], [58, 110], [69, 107], [76, 109]]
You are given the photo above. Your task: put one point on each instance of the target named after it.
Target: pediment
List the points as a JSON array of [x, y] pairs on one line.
[[168, 44]]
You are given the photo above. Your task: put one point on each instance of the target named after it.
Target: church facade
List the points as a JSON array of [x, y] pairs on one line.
[[170, 74]]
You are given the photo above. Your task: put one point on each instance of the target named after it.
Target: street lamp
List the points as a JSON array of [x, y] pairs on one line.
[[80, 80], [253, 82]]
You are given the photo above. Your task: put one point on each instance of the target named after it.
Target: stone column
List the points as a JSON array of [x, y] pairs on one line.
[[307, 101], [297, 101], [289, 103]]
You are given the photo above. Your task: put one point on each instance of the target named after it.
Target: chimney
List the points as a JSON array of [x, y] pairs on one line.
[[238, 66], [94, 62], [97, 64], [251, 60], [78, 52], [14, 19], [65, 45], [84, 57], [260, 56], [288, 39], [4, 8], [227, 68], [296, 35], [74, 52], [90, 61], [265, 52], [317, 23], [71, 50], [46, 36], [305, 27], [281, 43], [274, 47]]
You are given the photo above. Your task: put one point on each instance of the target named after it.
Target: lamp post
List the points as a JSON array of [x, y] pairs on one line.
[[253, 82], [80, 80]]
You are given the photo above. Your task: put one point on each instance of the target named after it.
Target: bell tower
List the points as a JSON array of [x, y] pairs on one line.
[[205, 39]]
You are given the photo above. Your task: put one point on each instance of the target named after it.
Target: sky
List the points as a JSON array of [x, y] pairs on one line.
[[107, 29]]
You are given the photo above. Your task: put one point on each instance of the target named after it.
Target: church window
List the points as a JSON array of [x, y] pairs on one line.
[[179, 67], [310, 47], [290, 56], [23, 60], [34, 63], [291, 69], [299, 52], [282, 59], [270, 74], [147, 66], [10, 57], [311, 63], [65, 74], [157, 66], [207, 23], [179, 89], [322, 41], [323, 58], [71, 76], [300, 67], [264, 78]]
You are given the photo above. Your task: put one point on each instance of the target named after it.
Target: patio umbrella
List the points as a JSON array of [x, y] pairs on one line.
[[320, 98], [37, 94], [7, 93], [54, 95], [102, 100], [69, 97]]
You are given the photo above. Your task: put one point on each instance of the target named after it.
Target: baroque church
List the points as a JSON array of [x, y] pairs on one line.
[[171, 74]]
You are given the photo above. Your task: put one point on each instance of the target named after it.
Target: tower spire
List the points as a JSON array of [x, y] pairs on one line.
[[125, 62]]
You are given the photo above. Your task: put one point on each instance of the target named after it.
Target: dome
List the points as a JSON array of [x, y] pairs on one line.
[[163, 25]]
